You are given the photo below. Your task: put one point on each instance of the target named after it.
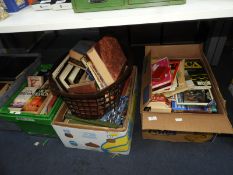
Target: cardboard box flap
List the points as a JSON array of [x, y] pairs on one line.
[[175, 51], [214, 123]]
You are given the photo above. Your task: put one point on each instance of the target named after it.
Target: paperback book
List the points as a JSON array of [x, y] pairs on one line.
[[201, 97]]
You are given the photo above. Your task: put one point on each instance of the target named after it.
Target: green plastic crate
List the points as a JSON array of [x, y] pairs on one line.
[[34, 124], [100, 5]]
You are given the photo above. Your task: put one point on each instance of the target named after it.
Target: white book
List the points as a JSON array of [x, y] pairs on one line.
[[73, 75], [58, 69], [64, 74]]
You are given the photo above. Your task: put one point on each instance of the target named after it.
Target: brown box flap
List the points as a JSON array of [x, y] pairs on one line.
[[211, 123]]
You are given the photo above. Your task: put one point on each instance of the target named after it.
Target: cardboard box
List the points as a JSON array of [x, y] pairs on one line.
[[181, 123], [117, 141]]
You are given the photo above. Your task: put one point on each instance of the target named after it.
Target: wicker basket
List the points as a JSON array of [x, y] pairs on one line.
[[94, 105]]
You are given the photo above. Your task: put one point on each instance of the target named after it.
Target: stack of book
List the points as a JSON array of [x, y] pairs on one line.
[[115, 117], [90, 67], [180, 85], [35, 98]]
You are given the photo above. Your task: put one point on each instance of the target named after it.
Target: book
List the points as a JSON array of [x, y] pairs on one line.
[[80, 49], [73, 74], [197, 73], [99, 80], [174, 66], [184, 83], [21, 99], [194, 108], [38, 100], [161, 74], [108, 59], [83, 87], [64, 74], [51, 104], [201, 97], [35, 81], [158, 103], [57, 71], [45, 108]]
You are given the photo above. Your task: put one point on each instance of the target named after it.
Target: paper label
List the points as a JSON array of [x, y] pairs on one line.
[[152, 118], [178, 119]]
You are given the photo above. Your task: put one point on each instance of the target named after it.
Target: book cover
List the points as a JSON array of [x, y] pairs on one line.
[[58, 70], [108, 59], [174, 65], [35, 81], [22, 98], [83, 87], [161, 74], [200, 97], [197, 74], [158, 103], [73, 74], [38, 100], [193, 108], [67, 69], [80, 49]]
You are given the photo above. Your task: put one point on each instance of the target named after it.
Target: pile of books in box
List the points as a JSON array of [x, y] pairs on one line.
[[89, 68], [180, 85], [35, 97]]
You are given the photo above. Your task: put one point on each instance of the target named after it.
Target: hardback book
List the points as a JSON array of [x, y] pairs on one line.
[[73, 74], [38, 100], [35, 81], [58, 70], [76, 63], [98, 78], [197, 74], [108, 59], [201, 97], [83, 87], [161, 74], [80, 49], [92, 73], [79, 76], [22, 98], [65, 72]]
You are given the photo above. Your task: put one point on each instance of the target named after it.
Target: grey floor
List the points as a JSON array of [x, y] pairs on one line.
[[18, 155]]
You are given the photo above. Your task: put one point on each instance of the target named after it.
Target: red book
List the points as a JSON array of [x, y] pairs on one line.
[[161, 74]]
